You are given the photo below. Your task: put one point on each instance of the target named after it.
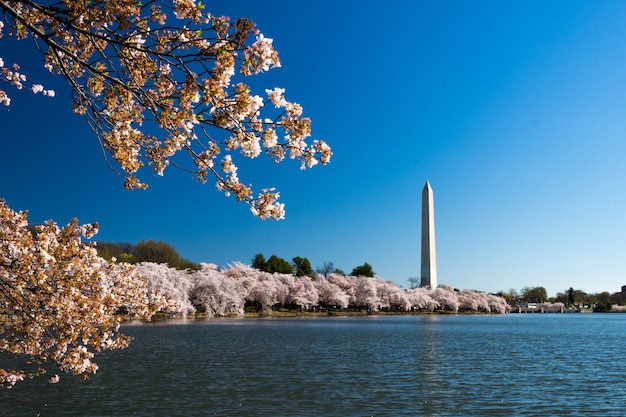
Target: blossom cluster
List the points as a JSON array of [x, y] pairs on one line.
[[132, 73], [226, 292], [13, 76], [59, 301]]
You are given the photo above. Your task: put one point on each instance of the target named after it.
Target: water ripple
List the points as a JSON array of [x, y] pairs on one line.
[[522, 365]]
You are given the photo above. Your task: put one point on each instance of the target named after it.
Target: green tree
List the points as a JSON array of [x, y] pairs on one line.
[[562, 298], [302, 266], [258, 262], [364, 270], [534, 295], [162, 253], [579, 297], [603, 297], [603, 307], [276, 264], [127, 257], [109, 250]]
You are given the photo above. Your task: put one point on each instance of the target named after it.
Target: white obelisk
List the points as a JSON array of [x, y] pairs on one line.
[[429, 258]]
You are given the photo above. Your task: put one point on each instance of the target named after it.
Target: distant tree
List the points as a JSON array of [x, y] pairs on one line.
[[155, 251], [562, 298], [129, 258], [617, 298], [578, 297], [414, 282], [603, 297], [364, 270], [162, 253], [145, 251], [508, 296], [338, 272], [109, 250], [187, 264], [258, 262], [534, 294], [276, 264], [603, 307], [325, 269], [515, 296], [302, 266]]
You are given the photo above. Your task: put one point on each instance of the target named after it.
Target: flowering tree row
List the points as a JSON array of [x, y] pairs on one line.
[[226, 292], [551, 306]]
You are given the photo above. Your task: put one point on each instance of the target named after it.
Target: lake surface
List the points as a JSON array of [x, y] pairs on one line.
[[439, 365]]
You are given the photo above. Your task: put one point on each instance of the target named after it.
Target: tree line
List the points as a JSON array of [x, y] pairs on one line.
[[300, 267], [599, 302], [163, 253]]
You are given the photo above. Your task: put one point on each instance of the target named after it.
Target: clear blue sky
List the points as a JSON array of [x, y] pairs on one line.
[[514, 111]]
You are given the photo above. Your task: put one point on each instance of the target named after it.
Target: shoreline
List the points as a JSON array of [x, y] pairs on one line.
[[362, 313], [292, 314]]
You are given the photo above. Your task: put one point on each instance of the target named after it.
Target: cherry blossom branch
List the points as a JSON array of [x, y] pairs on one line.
[[129, 78]]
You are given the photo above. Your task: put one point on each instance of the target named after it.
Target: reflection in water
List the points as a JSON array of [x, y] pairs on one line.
[[429, 361]]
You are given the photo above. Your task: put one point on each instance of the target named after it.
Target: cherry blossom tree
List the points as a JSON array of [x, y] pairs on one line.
[[384, 290], [422, 298], [467, 300], [220, 294], [399, 299], [330, 294], [446, 297], [365, 293], [168, 67], [345, 284], [479, 301], [59, 300], [303, 292], [267, 292], [498, 304], [175, 284]]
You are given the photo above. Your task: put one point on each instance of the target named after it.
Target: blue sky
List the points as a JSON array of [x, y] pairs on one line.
[[514, 111]]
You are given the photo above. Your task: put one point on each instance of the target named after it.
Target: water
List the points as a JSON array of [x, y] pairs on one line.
[[515, 365]]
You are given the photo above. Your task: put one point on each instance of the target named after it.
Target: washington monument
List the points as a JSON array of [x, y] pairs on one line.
[[429, 258]]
